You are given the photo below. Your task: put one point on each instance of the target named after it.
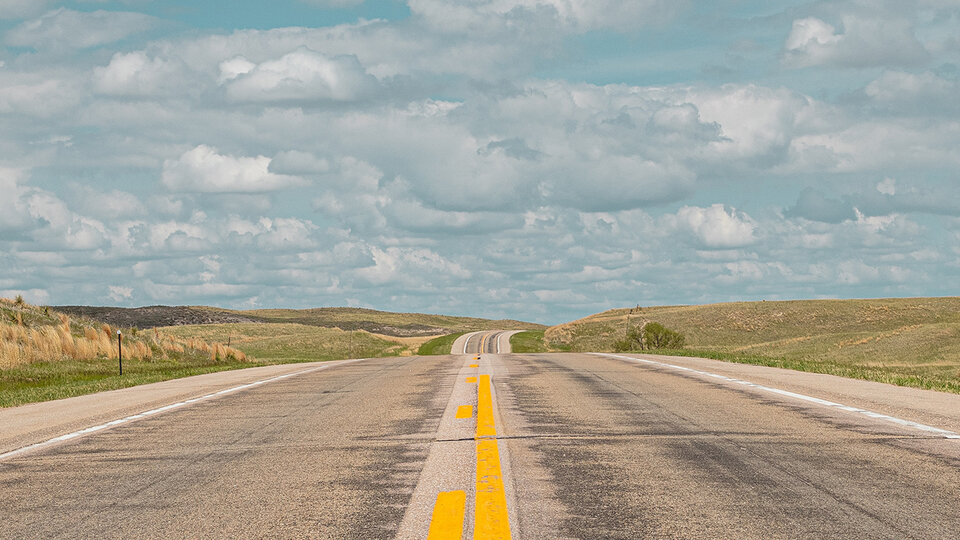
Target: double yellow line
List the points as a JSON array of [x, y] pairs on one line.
[[490, 519]]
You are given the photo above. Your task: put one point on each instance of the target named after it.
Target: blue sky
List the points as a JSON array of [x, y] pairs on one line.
[[532, 159]]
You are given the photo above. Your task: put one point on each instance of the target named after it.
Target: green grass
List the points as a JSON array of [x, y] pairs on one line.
[[440, 345], [530, 341], [44, 381], [904, 341]]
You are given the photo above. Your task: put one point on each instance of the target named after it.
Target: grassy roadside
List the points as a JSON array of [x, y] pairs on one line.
[[440, 345], [933, 379], [528, 342], [44, 381]]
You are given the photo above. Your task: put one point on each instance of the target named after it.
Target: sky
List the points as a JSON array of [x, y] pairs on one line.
[[531, 159]]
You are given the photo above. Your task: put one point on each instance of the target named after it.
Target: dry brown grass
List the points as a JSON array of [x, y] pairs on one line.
[[49, 339]]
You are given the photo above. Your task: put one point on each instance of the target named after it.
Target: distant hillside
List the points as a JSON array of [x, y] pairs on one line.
[[900, 337], [155, 316], [349, 319]]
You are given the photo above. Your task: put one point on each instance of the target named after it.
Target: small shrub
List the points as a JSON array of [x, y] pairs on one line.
[[657, 336]]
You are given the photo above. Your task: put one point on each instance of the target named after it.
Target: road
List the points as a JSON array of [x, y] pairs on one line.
[[525, 445]]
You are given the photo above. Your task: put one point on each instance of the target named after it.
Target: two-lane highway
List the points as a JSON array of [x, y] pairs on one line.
[[482, 445]]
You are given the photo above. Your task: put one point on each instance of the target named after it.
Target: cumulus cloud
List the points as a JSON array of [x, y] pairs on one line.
[[64, 29], [716, 226], [862, 42], [137, 74], [203, 169], [119, 293], [302, 75]]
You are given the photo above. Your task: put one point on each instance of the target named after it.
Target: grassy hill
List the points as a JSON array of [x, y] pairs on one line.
[[910, 341], [369, 320]]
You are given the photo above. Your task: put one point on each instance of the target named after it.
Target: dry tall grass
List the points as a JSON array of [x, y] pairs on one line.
[[21, 344]]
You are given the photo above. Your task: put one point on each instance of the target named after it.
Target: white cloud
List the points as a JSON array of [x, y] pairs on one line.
[[233, 68], [136, 74], [119, 293], [204, 170], [715, 227], [302, 75], [863, 42], [888, 186], [65, 29]]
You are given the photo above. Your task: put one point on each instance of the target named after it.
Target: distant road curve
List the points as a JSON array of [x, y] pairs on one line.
[[484, 341]]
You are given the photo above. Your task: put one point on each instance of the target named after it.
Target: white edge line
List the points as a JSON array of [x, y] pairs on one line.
[[160, 410], [946, 434]]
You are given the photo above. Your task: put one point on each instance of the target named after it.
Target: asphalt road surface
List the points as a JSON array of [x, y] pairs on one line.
[[521, 445]]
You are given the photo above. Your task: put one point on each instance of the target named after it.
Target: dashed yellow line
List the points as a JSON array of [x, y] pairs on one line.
[[447, 520], [491, 519]]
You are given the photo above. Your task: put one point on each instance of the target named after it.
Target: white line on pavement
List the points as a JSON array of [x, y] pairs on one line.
[[878, 416], [165, 408]]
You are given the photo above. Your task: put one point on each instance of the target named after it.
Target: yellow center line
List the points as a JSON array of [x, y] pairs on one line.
[[471, 379], [485, 426], [474, 365], [447, 520], [490, 513], [465, 411]]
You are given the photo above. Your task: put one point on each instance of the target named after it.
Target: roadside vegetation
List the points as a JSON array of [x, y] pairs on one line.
[[48, 355], [530, 341], [649, 336], [439, 345], [905, 341]]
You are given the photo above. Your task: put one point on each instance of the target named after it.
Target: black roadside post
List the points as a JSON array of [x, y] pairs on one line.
[[120, 350]]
